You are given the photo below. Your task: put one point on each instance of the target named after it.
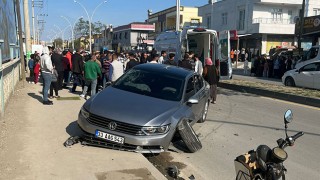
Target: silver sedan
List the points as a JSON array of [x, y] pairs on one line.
[[143, 109]]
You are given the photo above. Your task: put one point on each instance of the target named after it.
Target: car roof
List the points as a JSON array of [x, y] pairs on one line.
[[167, 69]]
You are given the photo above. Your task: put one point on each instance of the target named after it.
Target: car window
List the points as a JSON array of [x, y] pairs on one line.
[[310, 67], [312, 53], [151, 84], [198, 82], [190, 89]]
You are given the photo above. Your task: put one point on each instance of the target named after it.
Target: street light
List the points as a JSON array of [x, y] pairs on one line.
[[62, 34], [72, 28], [90, 20]]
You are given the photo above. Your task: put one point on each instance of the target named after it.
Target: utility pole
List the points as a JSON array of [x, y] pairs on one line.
[[27, 28], [301, 22], [38, 3], [178, 15], [23, 72]]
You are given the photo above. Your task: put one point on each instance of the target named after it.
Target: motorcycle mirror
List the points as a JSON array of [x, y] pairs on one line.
[[288, 116]]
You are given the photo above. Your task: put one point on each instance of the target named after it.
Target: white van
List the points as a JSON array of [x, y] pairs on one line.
[[201, 41], [311, 56]]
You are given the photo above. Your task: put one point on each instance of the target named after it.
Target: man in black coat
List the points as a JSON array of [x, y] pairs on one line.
[[77, 69], [185, 63], [133, 62], [56, 59]]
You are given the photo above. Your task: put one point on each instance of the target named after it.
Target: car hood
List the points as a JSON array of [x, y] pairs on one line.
[[131, 108]]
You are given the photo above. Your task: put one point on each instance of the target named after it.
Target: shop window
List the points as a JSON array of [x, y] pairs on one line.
[[241, 19], [316, 12], [276, 14]]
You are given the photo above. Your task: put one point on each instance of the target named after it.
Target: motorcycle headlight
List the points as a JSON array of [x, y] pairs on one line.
[[156, 130], [84, 113]]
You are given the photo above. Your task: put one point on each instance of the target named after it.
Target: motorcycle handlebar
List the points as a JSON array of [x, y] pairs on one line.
[[296, 136]]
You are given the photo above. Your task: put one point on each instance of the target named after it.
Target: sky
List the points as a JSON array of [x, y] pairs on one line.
[[115, 12]]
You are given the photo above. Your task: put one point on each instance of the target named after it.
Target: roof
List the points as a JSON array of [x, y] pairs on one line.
[[167, 69]]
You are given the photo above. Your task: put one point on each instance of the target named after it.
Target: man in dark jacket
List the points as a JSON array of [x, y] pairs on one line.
[[132, 62], [171, 61], [185, 63], [77, 69], [56, 59]]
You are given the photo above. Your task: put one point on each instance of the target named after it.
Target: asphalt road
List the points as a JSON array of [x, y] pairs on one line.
[[240, 122]]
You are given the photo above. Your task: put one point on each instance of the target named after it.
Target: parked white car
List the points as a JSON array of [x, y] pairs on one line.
[[307, 76]]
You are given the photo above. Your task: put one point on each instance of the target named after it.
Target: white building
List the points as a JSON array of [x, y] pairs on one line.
[[260, 24]]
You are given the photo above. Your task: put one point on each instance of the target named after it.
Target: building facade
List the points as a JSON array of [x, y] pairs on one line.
[[10, 66], [260, 24], [134, 36], [104, 42], [166, 19]]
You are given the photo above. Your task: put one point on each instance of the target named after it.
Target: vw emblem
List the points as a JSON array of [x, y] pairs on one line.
[[112, 126]]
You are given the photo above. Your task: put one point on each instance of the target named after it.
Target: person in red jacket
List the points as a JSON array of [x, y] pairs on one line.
[[36, 71]]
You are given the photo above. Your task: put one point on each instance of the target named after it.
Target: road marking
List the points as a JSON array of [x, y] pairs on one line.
[[292, 103]]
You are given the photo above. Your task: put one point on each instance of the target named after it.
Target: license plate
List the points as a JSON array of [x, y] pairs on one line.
[[109, 137]]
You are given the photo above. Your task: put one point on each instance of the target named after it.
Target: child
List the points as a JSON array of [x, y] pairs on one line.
[[36, 71], [245, 67]]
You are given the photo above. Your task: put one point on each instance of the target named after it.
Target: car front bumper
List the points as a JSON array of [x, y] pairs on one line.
[[140, 144]]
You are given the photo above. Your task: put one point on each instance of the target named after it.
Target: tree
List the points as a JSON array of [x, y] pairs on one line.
[[57, 42], [82, 28]]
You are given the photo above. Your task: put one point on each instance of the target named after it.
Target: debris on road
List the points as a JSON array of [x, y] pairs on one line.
[[72, 141], [192, 177], [173, 171]]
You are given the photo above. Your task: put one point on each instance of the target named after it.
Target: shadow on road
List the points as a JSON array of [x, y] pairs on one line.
[[37, 97], [235, 93], [73, 129], [259, 126]]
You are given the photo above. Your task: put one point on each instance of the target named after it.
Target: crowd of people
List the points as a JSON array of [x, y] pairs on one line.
[[94, 71]]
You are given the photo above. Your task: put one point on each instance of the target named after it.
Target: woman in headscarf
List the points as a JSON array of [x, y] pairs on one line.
[[46, 73], [210, 74]]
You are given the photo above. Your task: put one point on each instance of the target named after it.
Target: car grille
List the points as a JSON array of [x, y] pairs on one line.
[[121, 127]]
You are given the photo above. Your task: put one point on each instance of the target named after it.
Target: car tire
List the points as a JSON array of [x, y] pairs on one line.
[[189, 137], [289, 82], [204, 112]]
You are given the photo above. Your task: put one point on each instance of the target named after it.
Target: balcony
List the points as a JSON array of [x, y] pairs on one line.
[[272, 21], [292, 2], [272, 26]]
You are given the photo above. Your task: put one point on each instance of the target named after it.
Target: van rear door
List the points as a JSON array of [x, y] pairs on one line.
[[225, 67]]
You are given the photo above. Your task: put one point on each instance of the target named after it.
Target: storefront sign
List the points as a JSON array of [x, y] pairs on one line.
[[311, 25]]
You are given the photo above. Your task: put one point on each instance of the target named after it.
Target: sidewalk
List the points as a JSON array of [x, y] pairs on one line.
[[32, 137], [239, 75]]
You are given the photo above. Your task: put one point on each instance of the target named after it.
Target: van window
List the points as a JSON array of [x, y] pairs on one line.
[[312, 53]]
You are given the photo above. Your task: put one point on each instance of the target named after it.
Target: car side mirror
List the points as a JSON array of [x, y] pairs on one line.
[[193, 101]]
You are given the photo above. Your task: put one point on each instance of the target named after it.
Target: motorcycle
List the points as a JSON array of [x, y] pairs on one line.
[[265, 163]]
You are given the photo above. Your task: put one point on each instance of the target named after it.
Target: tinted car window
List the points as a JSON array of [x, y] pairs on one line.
[[190, 90], [151, 84], [310, 67], [198, 83], [312, 53]]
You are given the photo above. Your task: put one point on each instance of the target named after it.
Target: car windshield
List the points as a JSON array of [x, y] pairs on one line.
[[151, 84]]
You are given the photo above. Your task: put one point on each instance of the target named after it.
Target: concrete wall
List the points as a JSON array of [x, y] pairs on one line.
[[10, 75]]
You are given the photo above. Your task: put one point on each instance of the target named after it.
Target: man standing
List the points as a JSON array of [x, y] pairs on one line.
[[171, 61], [57, 62], [46, 73], [91, 72], [185, 63], [163, 55], [155, 59], [77, 69], [232, 56], [116, 68], [198, 65], [132, 62]]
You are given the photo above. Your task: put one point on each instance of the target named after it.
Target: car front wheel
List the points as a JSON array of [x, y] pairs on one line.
[[289, 82]]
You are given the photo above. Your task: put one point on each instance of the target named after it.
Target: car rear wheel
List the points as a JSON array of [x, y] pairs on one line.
[[189, 137], [204, 112], [289, 82]]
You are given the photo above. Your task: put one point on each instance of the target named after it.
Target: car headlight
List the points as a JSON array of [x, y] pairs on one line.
[[156, 130], [84, 113]]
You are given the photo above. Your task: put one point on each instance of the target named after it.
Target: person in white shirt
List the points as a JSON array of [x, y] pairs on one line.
[[155, 59], [198, 65], [162, 57], [115, 69], [46, 73]]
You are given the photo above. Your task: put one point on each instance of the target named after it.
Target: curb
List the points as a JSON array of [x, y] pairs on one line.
[[277, 95]]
